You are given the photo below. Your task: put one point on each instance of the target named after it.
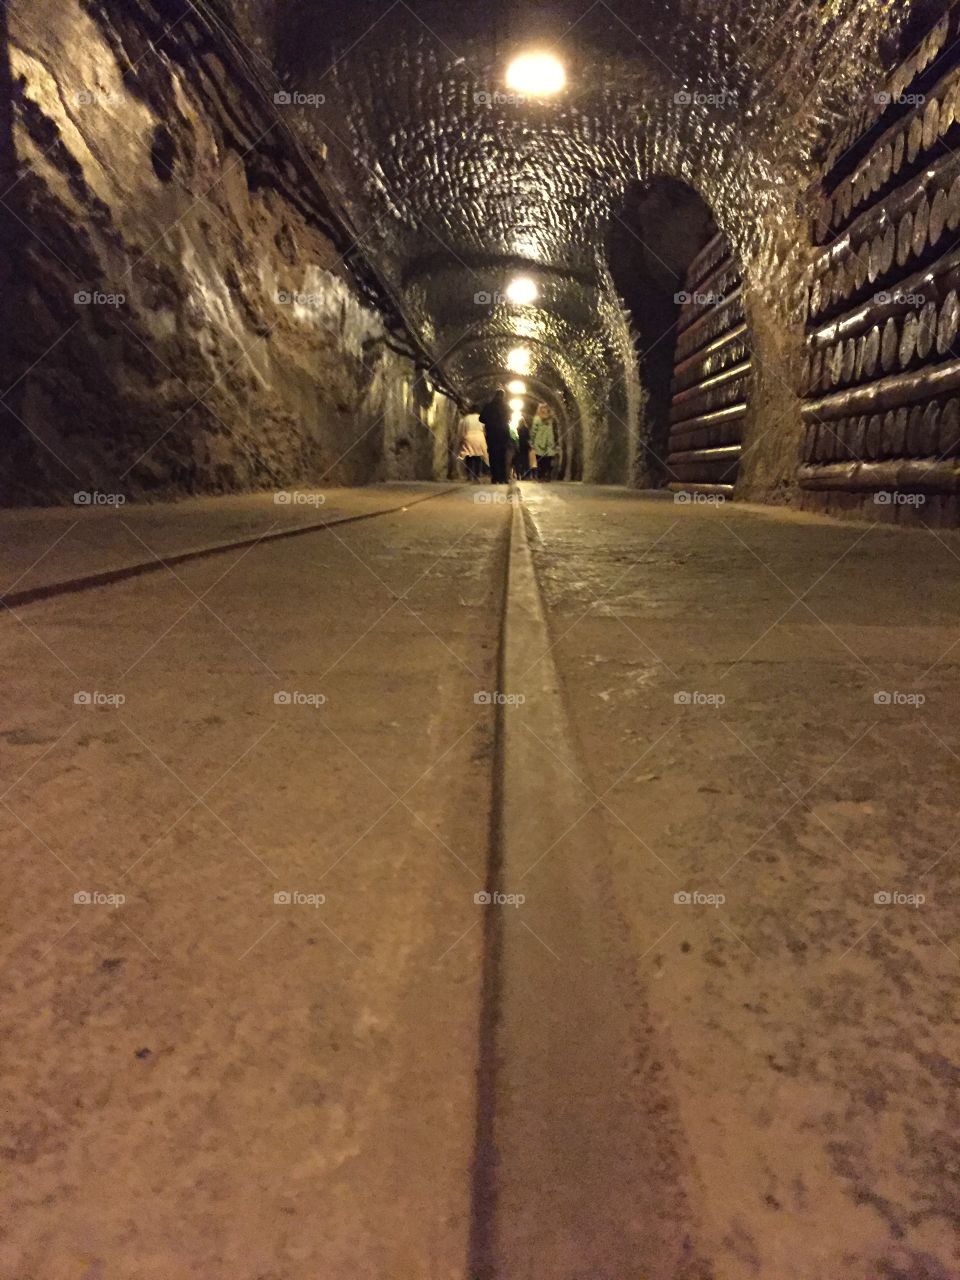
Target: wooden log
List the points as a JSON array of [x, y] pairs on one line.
[[871, 445], [947, 322], [931, 123], [888, 393], [915, 430], [889, 346], [927, 330], [919, 475], [948, 444], [914, 138], [938, 217], [905, 239], [908, 340], [930, 430], [921, 226]]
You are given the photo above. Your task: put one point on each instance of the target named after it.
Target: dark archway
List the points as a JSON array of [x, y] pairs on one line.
[[653, 238]]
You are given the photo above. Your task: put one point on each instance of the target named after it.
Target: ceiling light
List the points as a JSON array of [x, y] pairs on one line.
[[518, 361], [536, 74], [517, 387], [522, 291], [516, 404]]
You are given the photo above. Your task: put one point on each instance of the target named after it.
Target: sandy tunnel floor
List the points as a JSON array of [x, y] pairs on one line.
[[206, 1080]]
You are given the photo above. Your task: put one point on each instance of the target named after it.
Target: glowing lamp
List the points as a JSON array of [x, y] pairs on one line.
[[536, 74], [521, 291]]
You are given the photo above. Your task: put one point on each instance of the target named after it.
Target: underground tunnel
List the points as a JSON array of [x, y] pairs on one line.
[[480, 490]]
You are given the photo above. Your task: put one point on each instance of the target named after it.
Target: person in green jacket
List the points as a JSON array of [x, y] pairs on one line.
[[543, 439]]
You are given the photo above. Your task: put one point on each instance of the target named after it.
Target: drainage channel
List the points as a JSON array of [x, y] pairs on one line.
[[573, 1163], [106, 577]]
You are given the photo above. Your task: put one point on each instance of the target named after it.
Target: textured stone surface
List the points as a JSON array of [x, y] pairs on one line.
[[470, 189], [242, 354]]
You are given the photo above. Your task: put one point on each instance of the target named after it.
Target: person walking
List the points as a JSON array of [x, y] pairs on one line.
[[473, 446], [521, 463], [495, 417], [544, 439]]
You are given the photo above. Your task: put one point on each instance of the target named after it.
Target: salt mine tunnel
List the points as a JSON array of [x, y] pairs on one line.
[[480, 493]]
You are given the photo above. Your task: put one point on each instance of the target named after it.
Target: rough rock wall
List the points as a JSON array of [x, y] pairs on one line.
[[183, 319]]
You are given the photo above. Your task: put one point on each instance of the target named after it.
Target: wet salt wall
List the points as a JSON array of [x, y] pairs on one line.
[[881, 374], [182, 313]]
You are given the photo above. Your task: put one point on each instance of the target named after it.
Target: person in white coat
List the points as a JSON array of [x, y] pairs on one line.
[[473, 447]]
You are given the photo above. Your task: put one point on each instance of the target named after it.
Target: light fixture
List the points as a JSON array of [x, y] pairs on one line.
[[517, 387], [537, 74], [522, 291], [518, 361], [516, 404]]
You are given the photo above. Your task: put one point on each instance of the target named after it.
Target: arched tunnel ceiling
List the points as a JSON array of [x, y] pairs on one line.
[[453, 185]]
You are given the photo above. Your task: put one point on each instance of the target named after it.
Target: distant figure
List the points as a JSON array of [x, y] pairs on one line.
[[544, 437], [521, 462], [473, 446], [495, 417]]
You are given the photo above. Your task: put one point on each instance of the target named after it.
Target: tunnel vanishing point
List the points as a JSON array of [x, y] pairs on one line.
[[410, 877]]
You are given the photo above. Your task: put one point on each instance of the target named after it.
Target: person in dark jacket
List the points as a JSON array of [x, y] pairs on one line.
[[521, 461], [496, 425]]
